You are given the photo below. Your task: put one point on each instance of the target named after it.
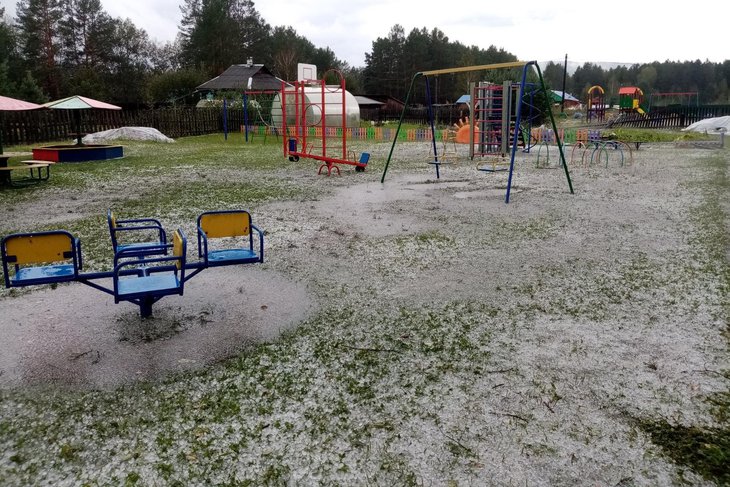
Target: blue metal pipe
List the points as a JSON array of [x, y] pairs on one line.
[[433, 131]]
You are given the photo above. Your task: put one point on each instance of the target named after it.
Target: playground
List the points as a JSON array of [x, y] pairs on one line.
[[416, 331]]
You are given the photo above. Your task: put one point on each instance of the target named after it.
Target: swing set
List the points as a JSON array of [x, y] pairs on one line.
[[255, 105], [497, 114]]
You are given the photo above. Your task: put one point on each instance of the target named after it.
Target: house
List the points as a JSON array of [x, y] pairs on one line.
[[463, 103], [237, 76], [378, 108], [390, 104], [570, 100]]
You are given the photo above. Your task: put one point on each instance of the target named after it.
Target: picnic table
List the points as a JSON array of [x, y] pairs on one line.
[[6, 171]]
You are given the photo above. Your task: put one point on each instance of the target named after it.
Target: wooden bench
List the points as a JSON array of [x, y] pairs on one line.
[[39, 166], [37, 161], [6, 173]]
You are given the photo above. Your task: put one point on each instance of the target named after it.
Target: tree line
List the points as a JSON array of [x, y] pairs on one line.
[[707, 79], [56, 48]]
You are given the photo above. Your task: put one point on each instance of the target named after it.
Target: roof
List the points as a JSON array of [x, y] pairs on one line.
[[364, 100], [629, 90], [568, 97], [236, 78], [386, 99]]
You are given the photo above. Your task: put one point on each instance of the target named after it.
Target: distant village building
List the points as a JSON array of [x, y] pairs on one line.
[[570, 100], [369, 109], [236, 78]]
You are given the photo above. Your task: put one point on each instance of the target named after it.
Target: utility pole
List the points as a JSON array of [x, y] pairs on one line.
[[565, 72]]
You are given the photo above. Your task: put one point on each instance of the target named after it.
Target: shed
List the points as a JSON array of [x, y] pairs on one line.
[[463, 99], [390, 103], [366, 102], [570, 100], [370, 109]]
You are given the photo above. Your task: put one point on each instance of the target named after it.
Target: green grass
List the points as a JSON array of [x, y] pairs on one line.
[[158, 178], [349, 377], [646, 135], [705, 449]]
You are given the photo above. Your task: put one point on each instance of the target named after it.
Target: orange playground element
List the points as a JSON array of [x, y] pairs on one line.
[[462, 128]]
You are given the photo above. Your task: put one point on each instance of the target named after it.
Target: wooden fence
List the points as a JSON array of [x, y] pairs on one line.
[[670, 117], [36, 126], [32, 127]]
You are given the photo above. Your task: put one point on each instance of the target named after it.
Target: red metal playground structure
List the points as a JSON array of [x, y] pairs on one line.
[[320, 120], [497, 113]]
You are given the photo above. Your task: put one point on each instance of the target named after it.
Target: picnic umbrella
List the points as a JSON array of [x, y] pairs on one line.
[[12, 104], [77, 103]]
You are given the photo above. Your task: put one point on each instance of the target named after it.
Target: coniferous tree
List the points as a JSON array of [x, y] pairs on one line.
[[384, 73], [40, 41], [218, 33]]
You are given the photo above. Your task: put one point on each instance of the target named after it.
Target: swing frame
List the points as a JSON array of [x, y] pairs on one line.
[[525, 65]]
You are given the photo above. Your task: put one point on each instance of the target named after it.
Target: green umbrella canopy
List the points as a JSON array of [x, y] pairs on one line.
[[12, 104], [77, 102]]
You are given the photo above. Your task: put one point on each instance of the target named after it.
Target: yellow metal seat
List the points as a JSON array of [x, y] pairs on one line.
[[40, 258], [227, 237]]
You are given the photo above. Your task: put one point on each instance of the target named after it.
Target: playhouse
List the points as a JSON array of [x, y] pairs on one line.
[[631, 98]]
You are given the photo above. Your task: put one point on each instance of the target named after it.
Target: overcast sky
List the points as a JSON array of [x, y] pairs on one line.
[[617, 31]]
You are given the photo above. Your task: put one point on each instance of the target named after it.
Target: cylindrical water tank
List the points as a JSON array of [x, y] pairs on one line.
[[313, 104]]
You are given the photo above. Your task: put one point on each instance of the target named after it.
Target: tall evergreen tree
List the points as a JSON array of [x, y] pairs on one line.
[[218, 33], [10, 60], [40, 41], [384, 69]]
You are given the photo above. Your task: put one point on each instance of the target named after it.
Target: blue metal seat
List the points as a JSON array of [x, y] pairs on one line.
[[236, 228], [142, 236], [144, 280], [40, 258]]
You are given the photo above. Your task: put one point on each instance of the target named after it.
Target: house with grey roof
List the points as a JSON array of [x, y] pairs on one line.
[[242, 77]]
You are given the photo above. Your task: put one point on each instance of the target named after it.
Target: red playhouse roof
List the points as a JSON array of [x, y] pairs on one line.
[[628, 90]]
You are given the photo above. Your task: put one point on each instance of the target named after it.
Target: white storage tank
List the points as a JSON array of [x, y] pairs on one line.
[[313, 103]]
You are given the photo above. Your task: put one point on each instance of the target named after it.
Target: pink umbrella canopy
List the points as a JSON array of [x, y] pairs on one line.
[[13, 104]]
